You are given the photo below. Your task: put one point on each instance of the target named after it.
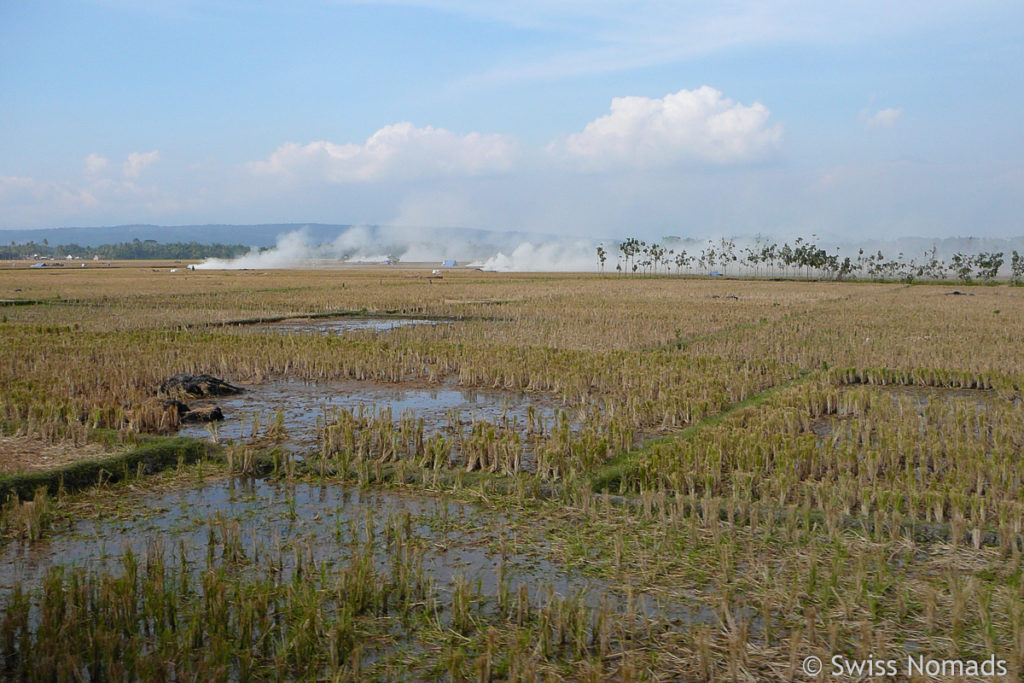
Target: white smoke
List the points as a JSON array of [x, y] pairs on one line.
[[502, 252], [292, 251], [548, 257], [354, 245]]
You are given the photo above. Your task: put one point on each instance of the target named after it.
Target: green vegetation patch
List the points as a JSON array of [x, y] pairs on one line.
[[153, 456]]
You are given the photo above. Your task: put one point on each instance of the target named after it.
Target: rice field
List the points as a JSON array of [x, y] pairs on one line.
[[508, 477]]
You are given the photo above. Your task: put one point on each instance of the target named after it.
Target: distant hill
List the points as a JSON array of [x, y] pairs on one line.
[[262, 235], [250, 235]]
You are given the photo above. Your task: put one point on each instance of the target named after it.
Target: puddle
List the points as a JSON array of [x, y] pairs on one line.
[[304, 405], [275, 519], [329, 326], [270, 514], [923, 400], [822, 427], [925, 395]]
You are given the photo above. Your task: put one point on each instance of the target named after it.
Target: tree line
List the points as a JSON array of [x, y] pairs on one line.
[[123, 251], [804, 258]]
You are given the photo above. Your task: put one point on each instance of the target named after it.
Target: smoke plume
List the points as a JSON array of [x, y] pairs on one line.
[[492, 251]]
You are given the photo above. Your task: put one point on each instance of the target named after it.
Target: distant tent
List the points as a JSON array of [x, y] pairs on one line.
[[450, 263]]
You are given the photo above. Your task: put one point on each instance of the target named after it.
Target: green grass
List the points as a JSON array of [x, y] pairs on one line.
[[608, 477], [154, 455]]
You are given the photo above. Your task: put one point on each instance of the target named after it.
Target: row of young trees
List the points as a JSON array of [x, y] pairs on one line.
[[805, 258]]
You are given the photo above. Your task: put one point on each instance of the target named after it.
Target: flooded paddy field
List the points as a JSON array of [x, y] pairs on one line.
[[812, 491], [924, 396], [270, 516], [924, 402], [303, 408], [334, 326], [285, 525]]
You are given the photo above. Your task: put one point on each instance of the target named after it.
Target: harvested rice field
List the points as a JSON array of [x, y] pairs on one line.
[[368, 474]]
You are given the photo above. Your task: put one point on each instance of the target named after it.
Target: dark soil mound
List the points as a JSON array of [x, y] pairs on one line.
[[198, 385], [206, 413], [179, 407]]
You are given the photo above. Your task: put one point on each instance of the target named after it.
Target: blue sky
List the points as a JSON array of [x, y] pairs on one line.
[[582, 118]]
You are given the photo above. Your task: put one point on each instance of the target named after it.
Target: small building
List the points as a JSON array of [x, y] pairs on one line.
[[450, 263]]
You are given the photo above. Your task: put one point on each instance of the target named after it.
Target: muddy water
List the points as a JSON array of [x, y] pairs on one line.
[[303, 405], [275, 518], [922, 396], [919, 397], [269, 515], [329, 326]]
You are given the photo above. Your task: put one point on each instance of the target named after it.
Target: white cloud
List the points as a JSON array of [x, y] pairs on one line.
[[20, 191], [39, 202], [11, 185], [884, 118], [138, 161], [94, 164], [688, 126], [28, 201], [397, 151], [604, 36]]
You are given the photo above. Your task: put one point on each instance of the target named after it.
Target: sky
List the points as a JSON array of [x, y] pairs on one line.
[[577, 118]]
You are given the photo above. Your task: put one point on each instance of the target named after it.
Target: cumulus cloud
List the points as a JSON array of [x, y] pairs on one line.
[[138, 161], [884, 118], [95, 164], [18, 191], [12, 185], [397, 151], [29, 201], [689, 126]]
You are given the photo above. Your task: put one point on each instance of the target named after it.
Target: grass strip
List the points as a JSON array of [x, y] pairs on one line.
[[607, 478], [153, 456]]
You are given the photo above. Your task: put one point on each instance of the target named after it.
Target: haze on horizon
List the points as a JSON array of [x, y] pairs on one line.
[[851, 120]]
